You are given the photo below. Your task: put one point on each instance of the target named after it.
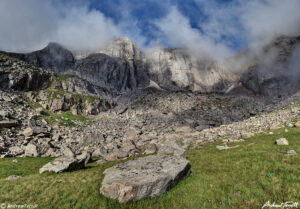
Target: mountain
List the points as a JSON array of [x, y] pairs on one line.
[[53, 56], [121, 66], [273, 72]]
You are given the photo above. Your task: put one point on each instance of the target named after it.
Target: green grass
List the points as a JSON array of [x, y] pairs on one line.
[[66, 119], [244, 177]]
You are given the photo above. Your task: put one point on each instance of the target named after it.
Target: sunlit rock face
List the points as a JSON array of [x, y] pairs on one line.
[[177, 69]]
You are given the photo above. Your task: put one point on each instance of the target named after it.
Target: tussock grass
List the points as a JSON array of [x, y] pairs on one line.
[[244, 177]]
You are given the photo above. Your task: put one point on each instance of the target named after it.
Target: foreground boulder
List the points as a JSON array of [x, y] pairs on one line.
[[144, 177], [65, 163]]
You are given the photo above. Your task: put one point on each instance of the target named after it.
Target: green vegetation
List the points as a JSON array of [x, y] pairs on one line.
[[26, 67], [59, 93], [63, 119], [66, 119], [245, 177]]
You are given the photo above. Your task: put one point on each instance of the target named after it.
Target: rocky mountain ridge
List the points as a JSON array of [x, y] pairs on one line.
[[144, 124]]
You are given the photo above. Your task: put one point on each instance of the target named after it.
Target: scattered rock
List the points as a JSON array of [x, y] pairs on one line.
[[28, 132], [31, 151], [100, 162], [297, 124], [144, 177], [282, 141], [172, 147], [224, 147], [85, 157], [15, 151], [291, 152], [13, 177], [100, 152], [68, 152]]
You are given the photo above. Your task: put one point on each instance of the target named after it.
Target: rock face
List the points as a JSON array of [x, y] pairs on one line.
[[120, 66], [108, 72], [144, 177], [177, 69]]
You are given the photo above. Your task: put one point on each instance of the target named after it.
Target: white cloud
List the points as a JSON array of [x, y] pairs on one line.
[[176, 31], [257, 22], [31, 24]]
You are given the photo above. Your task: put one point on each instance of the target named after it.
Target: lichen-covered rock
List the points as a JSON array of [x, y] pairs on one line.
[[144, 177]]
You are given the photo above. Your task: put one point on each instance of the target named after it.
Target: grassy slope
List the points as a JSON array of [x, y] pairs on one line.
[[244, 177]]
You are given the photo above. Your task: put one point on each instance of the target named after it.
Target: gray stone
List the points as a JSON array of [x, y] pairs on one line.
[[31, 151], [15, 151], [13, 177], [282, 141], [225, 147], [62, 164], [144, 177], [172, 147], [85, 156], [100, 152], [68, 152], [28, 132], [150, 149], [291, 152]]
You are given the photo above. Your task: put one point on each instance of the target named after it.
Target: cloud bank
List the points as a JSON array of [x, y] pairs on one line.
[[211, 29], [32, 24], [250, 23]]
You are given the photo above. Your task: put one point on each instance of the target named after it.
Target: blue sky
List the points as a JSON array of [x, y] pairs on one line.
[[145, 12]]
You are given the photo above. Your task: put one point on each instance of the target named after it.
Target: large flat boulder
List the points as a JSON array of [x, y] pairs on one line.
[[66, 163], [144, 177]]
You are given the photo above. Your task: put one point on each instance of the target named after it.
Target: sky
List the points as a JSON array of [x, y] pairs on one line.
[[215, 28]]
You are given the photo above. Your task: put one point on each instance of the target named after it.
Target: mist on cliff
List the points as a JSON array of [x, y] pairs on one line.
[[228, 27]]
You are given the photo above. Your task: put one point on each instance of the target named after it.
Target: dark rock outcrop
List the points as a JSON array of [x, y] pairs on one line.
[[18, 75], [273, 73], [53, 56]]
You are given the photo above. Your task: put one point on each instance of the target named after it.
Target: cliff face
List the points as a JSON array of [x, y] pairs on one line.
[[176, 69], [123, 68], [108, 72]]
